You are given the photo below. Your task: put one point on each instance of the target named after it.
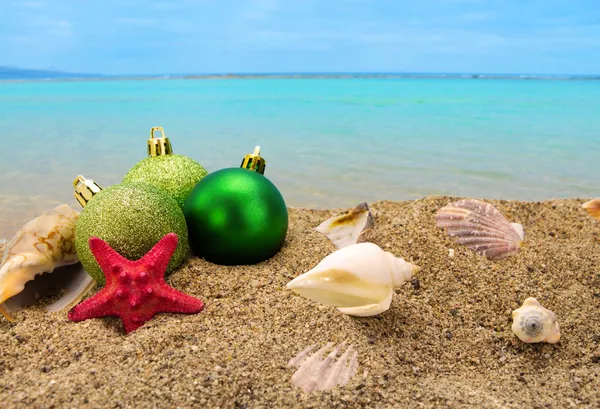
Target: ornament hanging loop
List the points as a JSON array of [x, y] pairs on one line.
[[85, 189], [253, 161], [159, 146]]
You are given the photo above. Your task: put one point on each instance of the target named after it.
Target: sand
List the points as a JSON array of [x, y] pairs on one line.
[[446, 341]]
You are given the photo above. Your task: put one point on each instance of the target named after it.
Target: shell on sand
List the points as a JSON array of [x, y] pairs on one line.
[[40, 246], [359, 279], [593, 208], [481, 227], [350, 228], [317, 372], [534, 323]]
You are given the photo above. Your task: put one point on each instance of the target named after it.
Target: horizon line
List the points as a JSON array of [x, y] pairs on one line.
[[76, 77]]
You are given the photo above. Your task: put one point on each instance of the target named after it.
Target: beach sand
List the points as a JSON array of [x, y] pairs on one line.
[[446, 341]]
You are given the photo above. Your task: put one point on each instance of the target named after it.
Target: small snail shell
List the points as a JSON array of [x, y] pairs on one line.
[[534, 323]]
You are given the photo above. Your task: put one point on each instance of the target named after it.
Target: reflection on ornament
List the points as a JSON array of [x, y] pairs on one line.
[[130, 217], [236, 215], [173, 173]]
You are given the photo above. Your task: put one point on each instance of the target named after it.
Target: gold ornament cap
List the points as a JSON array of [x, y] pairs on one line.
[[85, 189], [253, 161], [159, 146]]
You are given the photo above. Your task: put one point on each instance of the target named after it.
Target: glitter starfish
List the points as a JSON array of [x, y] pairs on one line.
[[135, 290]]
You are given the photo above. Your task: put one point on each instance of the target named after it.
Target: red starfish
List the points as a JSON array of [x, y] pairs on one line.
[[135, 290]]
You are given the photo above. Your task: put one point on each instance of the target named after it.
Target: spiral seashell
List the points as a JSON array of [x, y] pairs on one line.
[[593, 208], [482, 228], [359, 279], [316, 373], [350, 228], [534, 323], [40, 246]]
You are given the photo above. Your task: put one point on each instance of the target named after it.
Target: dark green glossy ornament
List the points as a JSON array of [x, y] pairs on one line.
[[236, 216], [176, 174], [131, 218]]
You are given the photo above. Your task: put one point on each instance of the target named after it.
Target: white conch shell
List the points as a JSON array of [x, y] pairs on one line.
[[43, 244], [349, 228], [534, 323], [359, 279], [593, 208], [316, 373], [482, 228]]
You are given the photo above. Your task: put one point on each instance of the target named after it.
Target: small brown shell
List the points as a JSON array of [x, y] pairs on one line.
[[593, 208], [481, 227], [350, 228]]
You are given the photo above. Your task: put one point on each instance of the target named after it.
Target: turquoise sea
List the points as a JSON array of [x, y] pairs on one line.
[[327, 142]]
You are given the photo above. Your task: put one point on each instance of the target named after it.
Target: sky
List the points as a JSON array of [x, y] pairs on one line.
[[273, 36]]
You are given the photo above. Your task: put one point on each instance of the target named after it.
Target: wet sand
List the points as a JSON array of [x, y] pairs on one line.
[[445, 342]]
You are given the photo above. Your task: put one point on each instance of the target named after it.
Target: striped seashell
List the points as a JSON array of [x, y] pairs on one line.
[[315, 373], [482, 228]]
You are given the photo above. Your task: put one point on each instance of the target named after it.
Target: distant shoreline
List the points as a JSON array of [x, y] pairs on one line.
[[311, 76]]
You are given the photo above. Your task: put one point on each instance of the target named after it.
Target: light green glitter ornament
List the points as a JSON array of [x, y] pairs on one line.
[[131, 218], [173, 173]]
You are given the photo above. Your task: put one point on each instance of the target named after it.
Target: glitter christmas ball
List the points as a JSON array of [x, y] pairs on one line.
[[131, 218], [176, 174]]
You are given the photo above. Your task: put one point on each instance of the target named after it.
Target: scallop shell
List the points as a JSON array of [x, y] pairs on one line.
[[359, 279], [316, 373], [534, 323], [482, 228], [350, 228], [40, 246], [593, 208]]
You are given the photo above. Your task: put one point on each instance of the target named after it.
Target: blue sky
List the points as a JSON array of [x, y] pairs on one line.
[[221, 36]]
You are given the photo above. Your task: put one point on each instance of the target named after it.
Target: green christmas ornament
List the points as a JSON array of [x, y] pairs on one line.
[[130, 217], [236, 216], [176, 174]]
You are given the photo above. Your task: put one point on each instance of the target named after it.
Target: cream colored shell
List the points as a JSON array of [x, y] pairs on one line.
[[358, 279], [40, 246], [534, 323]]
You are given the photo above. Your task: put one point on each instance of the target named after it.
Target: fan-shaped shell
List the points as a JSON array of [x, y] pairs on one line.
[[481, 227], [316, 373]]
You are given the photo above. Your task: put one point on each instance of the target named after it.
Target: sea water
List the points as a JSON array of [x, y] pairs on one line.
[[327, 142]]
